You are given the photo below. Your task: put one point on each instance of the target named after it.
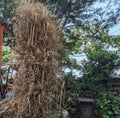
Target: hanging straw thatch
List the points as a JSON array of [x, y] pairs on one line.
[[36, 88]]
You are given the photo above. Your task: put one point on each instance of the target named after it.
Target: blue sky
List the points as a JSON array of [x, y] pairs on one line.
[[115, 30]]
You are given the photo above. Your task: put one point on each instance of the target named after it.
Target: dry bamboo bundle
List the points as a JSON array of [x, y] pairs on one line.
[[36, 89]]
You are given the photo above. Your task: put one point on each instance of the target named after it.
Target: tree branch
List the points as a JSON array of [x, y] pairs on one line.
[[67, 15]]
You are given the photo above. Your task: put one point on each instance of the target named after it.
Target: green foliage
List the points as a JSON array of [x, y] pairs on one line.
[[101, 64], [72, 87], [8, 8], [6, 55], [108, 105]]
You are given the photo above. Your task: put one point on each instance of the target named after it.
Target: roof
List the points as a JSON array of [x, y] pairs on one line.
[[3, 23], [5, 26]]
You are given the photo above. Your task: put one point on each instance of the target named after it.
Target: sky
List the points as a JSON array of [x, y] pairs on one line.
[[115, 30]]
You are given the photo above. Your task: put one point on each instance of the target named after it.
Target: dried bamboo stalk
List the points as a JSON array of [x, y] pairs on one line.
[[36, 88]]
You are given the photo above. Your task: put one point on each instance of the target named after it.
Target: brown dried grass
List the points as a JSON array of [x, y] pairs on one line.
[[36, 89]]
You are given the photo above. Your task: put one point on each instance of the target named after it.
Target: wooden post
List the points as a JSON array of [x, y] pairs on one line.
[[3, 29], [1, 37]]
